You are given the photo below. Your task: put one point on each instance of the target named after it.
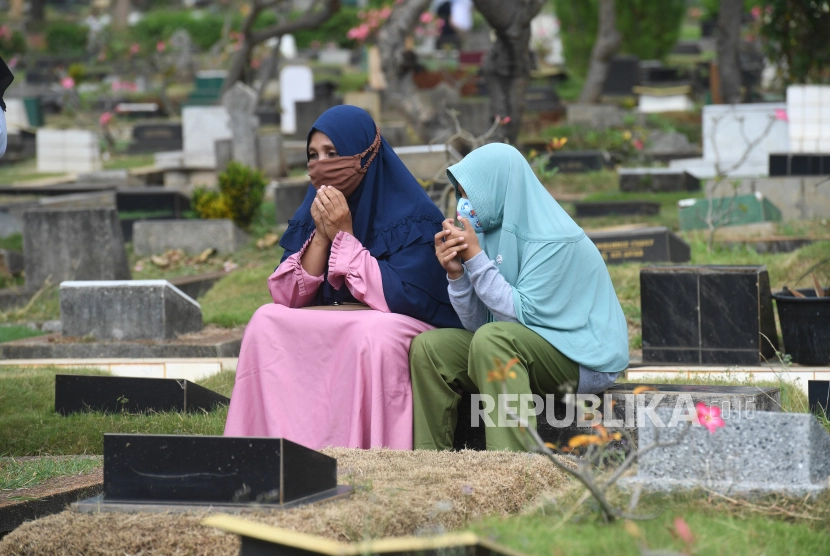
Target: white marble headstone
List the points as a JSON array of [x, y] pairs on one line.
[[808, 111], [202, 126], [16, 115], [296, 85]]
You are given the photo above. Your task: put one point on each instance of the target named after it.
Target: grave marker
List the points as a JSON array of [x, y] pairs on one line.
[[73, 244], [656, 180], [202, 126], [651, 245], [240, 101], [156, 137], [623, 76], [127, 310], [120, 394], [757, 452], [192, 236], [707, 315], [818, 397], [727, 211], [67, 150], [569, 162], [612, 208], [296, 85]]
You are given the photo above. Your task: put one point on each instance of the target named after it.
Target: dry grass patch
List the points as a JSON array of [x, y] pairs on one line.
[[397, 493]]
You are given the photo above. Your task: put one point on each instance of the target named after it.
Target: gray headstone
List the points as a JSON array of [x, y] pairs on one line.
[[596, 116], [224, 154], [127, 310], [182, 46], [73, 244], [240, 102], [11, 261], [193, 236], [271, 155], [754, 453], [657, 180]]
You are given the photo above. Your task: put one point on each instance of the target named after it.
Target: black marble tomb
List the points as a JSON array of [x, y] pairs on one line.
[[611, 208], [656, 180], [799, 164], [818, 397], [651, 245], [707, 315], [112, 394], [577, 161], [221, 470], [156, 137], [623, 76]]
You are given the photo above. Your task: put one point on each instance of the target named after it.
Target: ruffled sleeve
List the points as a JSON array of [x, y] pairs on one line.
[[290, 284], [351, 264]]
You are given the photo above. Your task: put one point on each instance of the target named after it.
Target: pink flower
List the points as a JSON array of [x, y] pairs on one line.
[[781, 114], [160, 46], [134, 49], [385, 12], [14, 61], [709, 417], [105, 119], [637, 144], [426, 17], [756, 12], [684, 532], [505, 120], [67, 83], [4, 32]]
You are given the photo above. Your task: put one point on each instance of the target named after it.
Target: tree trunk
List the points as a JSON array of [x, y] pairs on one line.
[[398, 64], [317, 14], [728, 41], [120, 14], [608, 43], [507, 65]]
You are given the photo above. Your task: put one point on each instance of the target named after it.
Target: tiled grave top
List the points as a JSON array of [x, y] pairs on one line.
[[681, 388], [808, 112], [127, 284]]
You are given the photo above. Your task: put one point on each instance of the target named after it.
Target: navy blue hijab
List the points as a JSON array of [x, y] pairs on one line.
[[392, 217]]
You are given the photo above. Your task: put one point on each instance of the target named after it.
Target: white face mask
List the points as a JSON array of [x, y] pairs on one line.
[[465, 209]]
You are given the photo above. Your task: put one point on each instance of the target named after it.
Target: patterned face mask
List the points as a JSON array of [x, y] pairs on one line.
[[466, 210]]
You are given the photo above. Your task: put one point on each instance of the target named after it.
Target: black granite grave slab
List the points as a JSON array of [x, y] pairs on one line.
[[818, 397], [623, 76], [611, 208], [656, 180], [213, 470], [707, 315], [652, 245], [542, 98], [117, 394], [799, 164], [571, 162], [156, 137]]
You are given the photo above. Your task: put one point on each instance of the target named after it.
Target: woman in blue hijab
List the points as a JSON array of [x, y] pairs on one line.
[[531, 289], [359, 250]]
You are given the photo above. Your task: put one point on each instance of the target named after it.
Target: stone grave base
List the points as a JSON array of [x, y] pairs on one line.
[[178, 368], [795, 374], [50, 497], [397, 493], [210, 342]]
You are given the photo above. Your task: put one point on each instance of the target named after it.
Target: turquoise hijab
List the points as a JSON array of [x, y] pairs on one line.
[[561, 286]]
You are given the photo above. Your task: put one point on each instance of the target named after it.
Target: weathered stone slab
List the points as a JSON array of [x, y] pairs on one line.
[[156, 137], [73, 244], [755, 453], [202, 126], [628, 409], [613, 208], [288, 196], [596, 116], [569, 162], [656, 180], [796, 197], [127, 310], [192, 236], [428, 162], [240, 101]]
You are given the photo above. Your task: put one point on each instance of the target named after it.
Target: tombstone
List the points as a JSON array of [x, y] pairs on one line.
[[729, 131], [296, 85], [428, 162], [120, 178], [207, 88], [818, 397], [182, 46], [572, 162], [192, 236], [697, 214], [623, 75], [121, 394], [670, 145], [271, 155], [139, 109], [306, 113], [288, 47], [651, 245], [185, 471], [335, 56], [368, 100], [240, 102], [595, 116], [67, 150], [656, 180], [590, 209], [798, 198], [707, 315], [621, 404], [73, 244], [542, 98], [127, 310], [16, 116], [755, 453], [656, 101], [395, 133], [202, 126], [288, 196], [224, 154], [156, 137], [787, 164], [808, 114]]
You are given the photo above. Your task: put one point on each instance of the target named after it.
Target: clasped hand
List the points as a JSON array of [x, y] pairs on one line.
[[331, 213], [453, 244]]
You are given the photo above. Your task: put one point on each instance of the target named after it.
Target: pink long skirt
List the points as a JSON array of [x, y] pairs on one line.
[[325, 378]]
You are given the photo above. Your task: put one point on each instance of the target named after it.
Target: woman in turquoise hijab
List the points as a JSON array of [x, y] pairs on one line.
[[528, 284]]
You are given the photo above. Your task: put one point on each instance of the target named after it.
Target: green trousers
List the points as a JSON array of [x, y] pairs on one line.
[[446, 360]]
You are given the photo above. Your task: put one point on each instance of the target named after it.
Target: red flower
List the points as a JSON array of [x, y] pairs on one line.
[[709, 417]]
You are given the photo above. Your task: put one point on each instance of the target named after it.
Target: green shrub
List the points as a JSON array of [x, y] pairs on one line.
[[240, 194], [65, 37], [205, 29], [11, 42], [334, 29]]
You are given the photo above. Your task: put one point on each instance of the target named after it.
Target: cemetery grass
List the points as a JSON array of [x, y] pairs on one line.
[[29, 472], [29, 425]]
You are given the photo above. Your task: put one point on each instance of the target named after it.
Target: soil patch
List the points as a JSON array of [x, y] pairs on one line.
[[397, 493]]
